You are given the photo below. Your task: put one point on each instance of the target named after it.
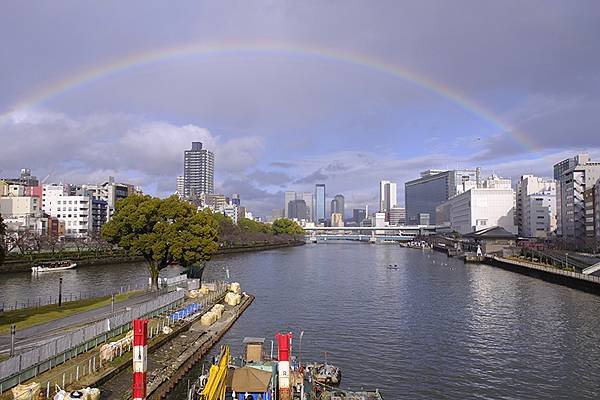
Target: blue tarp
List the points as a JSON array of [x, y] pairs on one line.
[[185, 312]]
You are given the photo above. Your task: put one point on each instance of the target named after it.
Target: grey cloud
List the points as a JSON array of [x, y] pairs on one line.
[[317, 176], [269, 177]]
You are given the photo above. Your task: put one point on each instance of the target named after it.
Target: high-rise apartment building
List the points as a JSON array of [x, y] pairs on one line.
[[337, 205], [573, 176], [320, 195], [534, 192], [198, 171], [387, 196], [434, 187]]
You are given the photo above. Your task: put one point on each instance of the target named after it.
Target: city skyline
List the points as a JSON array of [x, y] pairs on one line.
[[279, 88]]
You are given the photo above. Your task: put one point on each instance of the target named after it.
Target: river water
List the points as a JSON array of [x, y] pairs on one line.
[[433, 328]]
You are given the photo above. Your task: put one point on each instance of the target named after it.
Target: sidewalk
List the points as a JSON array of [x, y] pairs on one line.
[[39, 334]]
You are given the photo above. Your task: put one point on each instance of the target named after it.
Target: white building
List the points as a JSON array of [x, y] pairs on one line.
[[231, 211], [387, 196], [532, 185], [337, 220], [379, 219], [75, 211], [478, 209], [22, 213], [539, 215], [51, 194], [180, 186]]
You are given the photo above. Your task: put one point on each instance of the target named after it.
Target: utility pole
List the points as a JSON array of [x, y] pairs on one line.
[[60, 292], [13, 332], [112, 303]]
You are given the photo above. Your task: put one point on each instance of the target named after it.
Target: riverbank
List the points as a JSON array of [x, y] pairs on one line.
[[24, 265], [575, 280]]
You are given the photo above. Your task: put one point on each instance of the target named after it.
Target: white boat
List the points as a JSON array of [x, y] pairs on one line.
[[54, 266]]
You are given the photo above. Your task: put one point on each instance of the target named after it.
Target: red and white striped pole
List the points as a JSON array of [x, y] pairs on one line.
[[140, 363], [283, 364]]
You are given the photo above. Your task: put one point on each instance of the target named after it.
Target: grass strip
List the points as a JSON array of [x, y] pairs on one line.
[[27, 317]]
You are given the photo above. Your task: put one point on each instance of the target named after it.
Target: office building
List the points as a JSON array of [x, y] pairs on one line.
[[288, 197], [529, 185], [198, 171], [397, 216], [387, 196], [589, 199], [320, 195], [297, 210], [434, 187], [337, 205], [308, 200], [478, 209], [358, 215], [597, 212], [574, 176], [538, 218], [337, 220]]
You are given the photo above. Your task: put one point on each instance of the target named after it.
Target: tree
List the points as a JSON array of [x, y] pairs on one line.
[[162, 231], [284, 226], [2, 242]]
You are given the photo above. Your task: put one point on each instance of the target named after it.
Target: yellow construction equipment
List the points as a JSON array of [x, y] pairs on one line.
[[217, 379]]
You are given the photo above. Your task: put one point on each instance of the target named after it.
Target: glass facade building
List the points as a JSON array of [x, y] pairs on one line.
[[320, 202], [434, 187]]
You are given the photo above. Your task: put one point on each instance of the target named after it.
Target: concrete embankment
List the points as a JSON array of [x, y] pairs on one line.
[[575, 280], [23, 265]]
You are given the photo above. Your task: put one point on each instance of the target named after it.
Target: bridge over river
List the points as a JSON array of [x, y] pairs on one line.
[[369, 234]]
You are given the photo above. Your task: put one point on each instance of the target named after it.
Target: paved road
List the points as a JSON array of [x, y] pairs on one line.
[[43, 333]]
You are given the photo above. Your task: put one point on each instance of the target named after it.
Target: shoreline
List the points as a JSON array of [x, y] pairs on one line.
[[25, 265]]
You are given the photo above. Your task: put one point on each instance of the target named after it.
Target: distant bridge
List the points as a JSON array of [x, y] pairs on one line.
[[368, 233]]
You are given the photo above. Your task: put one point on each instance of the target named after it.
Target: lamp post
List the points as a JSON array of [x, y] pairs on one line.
[[300, 351]]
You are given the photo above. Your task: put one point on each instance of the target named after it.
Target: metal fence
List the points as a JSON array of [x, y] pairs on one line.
[[556, 271], [41, 301], [31, 363]]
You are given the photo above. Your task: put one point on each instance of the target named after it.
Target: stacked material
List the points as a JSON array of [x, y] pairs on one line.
[[235, 287], [233, 299], [110, 350], [208, 319], [218, 310], [86, 394], [27, 391]]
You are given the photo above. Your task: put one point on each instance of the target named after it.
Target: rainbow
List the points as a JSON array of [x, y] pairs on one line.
[[137, 60]]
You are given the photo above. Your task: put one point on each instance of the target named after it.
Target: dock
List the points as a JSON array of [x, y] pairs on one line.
[[169, 360]]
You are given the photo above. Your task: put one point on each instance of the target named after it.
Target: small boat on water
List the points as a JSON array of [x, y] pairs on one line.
[[50, 266]]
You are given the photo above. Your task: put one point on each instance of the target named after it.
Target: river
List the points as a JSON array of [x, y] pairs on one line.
[[433, 328]]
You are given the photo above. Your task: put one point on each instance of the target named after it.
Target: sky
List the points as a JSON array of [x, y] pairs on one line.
[[290, 94]]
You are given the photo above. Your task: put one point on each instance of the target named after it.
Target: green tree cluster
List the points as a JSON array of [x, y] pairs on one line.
[[284, 226], [163, 231]]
